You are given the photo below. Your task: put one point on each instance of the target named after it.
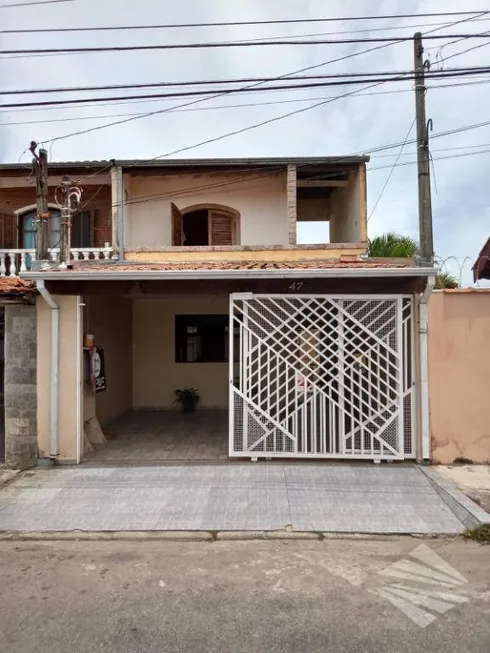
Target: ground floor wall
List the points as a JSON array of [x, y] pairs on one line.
[[110, 321], [459, 375], [156, 373], [70, 415]]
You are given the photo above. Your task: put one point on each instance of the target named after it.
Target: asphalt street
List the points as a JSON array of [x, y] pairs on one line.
[[393, 595]]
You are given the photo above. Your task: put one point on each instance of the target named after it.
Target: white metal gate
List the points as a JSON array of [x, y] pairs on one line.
[[321, 376]]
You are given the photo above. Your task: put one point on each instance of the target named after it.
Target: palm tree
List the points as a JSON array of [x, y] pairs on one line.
[[392, 245]]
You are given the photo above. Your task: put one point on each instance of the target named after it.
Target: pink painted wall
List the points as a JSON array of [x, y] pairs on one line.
[[459, 375]]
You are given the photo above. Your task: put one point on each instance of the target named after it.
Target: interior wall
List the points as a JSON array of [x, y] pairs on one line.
[[261, 203], [70, 377], [313, 209], [110, 320], [459, 379], [156, 374], [348, 211]]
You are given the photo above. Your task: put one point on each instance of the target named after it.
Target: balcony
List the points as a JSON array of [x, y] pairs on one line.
[[13, 262]]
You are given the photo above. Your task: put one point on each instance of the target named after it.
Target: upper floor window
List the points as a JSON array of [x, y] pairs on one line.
[[19, 229], [205, 225]]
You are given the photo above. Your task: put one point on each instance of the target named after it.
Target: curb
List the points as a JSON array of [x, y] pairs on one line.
[[204, 536], [466, 510], [7, 476]]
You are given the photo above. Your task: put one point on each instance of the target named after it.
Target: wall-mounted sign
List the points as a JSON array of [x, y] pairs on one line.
[[98, 369]]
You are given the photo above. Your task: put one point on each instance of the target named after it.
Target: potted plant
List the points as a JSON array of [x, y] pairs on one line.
[[188, 398]]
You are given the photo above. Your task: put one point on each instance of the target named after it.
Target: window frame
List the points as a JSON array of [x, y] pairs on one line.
[[184, 322]]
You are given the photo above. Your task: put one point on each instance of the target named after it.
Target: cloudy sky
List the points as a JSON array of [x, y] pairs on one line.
[[461, 206]]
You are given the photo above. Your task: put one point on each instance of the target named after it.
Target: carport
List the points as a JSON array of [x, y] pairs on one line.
[[321, 362]]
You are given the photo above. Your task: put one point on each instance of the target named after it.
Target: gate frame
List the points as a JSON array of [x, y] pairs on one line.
[[414, 412]]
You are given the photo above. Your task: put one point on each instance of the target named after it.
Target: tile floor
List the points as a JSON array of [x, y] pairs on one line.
[[243, 496], [157, 437]]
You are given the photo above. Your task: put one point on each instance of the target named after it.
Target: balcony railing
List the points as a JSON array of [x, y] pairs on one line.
[[15, 261]]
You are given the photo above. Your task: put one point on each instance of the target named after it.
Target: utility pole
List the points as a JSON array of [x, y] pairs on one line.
[[423, 167], [70, 199], [40, 166]]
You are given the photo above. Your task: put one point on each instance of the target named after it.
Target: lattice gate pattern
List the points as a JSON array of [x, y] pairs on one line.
[[321, 376]]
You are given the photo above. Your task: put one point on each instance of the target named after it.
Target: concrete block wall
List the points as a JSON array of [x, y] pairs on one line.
[[20, 386], [292, 204]]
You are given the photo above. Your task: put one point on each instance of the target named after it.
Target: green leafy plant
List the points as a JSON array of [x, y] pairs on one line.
[[446, 280], [393, 245], [480, 533], [188, 398]]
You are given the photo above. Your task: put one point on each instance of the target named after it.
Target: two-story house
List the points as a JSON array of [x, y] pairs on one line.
[[188, 274]]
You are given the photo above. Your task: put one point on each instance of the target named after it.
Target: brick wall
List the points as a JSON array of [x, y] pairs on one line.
[[20, 386], [291, 199], [96, 199]]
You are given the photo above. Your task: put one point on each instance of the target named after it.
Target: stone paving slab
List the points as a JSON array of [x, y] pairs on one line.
[[239, 497]]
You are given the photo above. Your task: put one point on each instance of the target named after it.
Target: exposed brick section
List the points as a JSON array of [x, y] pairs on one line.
[[291, 199], [20, 386]]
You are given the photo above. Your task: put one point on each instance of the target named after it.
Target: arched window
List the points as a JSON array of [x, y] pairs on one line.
[[205, 225], [26, 224], [81, 230]]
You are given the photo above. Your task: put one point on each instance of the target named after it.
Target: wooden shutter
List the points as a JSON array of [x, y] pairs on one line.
[[221, 228], [176, 225], [8, 231]]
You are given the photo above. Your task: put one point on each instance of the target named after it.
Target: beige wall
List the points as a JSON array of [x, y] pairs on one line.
[[347, 212], [261, 203], [110, 320], [459, 375], [156, 374], [70, 376]]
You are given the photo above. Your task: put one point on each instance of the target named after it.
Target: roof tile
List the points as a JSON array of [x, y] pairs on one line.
[[301, 264]]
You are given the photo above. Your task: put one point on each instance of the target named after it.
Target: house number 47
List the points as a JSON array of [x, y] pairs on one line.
[[296, 285]]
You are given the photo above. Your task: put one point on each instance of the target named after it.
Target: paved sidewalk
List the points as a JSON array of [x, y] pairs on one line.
[[473, 480], [251, 497]]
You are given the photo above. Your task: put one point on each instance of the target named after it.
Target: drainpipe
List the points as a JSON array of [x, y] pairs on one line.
[[424, 368], [54, 368]]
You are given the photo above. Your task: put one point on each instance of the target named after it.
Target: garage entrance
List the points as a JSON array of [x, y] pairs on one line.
[[322, 377]]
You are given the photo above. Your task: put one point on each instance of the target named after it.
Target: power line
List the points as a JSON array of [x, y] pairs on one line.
[[370, 30], [32, 4], [268, 170], [404, 77], [206, 82], [300, 37], [390, 174], [212, 108], [217, 95], [236, 23], [234, 44], [218, 107], [439, 158], [441, 149]]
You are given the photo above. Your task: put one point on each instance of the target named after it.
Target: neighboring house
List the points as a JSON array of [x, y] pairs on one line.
[[481, 267], [189, 274]]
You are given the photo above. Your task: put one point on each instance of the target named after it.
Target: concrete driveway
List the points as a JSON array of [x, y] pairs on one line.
[[238, 497]]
